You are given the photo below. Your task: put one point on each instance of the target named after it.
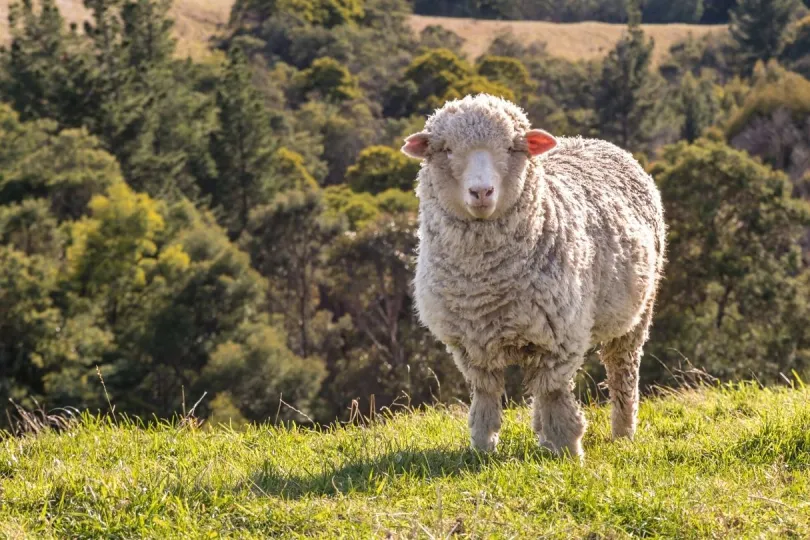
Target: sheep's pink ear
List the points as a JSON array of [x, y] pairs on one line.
[[416, 146], [540, 141]]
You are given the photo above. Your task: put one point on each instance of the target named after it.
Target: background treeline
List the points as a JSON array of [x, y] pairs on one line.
[[613, 11], [246, 226]]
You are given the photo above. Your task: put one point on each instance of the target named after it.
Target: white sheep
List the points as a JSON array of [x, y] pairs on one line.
[[533, 250]]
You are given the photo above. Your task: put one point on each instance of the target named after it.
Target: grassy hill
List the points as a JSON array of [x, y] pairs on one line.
[[198, 20], [723, 462], [573, 41]]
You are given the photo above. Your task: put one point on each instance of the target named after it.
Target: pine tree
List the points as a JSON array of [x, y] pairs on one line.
[[243, 145], [44, 74], [626, 95], [697, 104], [149, 114], [758, 26]]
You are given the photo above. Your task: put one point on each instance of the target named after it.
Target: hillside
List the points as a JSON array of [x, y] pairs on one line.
[[573, 41], [714, 463], [198, 20]]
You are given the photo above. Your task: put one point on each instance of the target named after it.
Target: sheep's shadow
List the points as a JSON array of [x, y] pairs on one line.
[[372, 475]]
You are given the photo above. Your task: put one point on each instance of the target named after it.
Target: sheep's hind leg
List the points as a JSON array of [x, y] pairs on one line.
[[485, 411], [622, 360]]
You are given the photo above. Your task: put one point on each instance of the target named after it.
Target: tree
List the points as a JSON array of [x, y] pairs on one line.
[[326, 13], [758, 26], [435, 36], [286, 239], [144, 106], [257, 371], [356, 209], [717, 11], [44, 73], [344, 129], [666, 11], [439, 75], [242, 146], [697, 105], [507, 71], [772, 123], [329, 79], [379, 168], [626, 93], [735, 294], [796, 53], [434, 73]]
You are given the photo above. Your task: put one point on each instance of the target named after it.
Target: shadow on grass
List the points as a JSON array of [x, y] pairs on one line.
[[370, 476]]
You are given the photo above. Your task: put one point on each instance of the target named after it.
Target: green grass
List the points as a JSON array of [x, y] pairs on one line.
[[723, 462]]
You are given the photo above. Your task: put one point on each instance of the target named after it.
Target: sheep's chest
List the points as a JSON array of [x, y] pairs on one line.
[[495, 322]]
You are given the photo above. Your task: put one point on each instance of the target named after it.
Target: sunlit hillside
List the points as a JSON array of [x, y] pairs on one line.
[[572, 41], [721, 463], [198, 20]]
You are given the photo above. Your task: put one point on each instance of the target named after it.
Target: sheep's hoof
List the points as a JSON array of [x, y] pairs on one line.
[[577, 453], [548, 446], [486, 445]]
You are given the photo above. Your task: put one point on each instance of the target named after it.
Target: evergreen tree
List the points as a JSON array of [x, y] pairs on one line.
[[242, 146], [149, 114], [44, 73], [758, 26], [697, 105], [626, 93]]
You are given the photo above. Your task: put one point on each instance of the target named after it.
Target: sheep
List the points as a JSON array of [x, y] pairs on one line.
[[532, 250]]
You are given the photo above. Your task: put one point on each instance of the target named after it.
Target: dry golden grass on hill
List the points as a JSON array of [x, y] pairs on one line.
[[198, 20], [573, 41]]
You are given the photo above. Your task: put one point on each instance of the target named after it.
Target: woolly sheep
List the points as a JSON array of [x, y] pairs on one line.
[[532, 251]]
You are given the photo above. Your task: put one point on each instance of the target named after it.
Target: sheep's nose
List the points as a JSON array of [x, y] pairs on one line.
[[482, 194]]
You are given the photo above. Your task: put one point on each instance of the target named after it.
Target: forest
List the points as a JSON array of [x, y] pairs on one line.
[[239, 233]]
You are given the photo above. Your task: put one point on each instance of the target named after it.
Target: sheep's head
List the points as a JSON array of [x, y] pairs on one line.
[[477, 149]]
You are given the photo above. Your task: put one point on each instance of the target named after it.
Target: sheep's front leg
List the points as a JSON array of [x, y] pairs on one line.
[[557, 419], [559, 422], [485, 410]]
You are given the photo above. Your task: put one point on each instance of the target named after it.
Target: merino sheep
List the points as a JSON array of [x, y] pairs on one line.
[[531, 256]]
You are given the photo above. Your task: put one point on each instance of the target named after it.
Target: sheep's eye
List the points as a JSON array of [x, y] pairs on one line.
[[448, 152]]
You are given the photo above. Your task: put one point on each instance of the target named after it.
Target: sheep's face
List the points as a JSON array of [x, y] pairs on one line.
[[476, 151]]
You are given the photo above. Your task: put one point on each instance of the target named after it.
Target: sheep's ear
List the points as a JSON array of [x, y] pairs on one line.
[[416, 146], [540, 141]]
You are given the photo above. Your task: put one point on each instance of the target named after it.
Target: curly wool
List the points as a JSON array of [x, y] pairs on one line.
[[575, 262]]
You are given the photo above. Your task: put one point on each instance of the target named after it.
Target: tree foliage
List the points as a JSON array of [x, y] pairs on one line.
[[245, 226], [737, 287], [626, 93], [758, 26]]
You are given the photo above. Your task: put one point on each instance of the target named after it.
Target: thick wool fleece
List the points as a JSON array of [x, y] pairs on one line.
[[573, 262]]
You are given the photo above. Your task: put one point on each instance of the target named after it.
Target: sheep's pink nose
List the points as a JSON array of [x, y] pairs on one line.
[[482, 194]]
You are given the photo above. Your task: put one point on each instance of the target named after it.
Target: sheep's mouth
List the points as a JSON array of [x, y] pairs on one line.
[[481, 210]]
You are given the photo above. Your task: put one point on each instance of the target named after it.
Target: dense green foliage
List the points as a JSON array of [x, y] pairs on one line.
[[244, 228], [653, 11], [759, 26], [720, 463]]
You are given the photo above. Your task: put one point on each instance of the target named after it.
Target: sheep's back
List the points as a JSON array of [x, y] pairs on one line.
[[607, 178], [625, 227]]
